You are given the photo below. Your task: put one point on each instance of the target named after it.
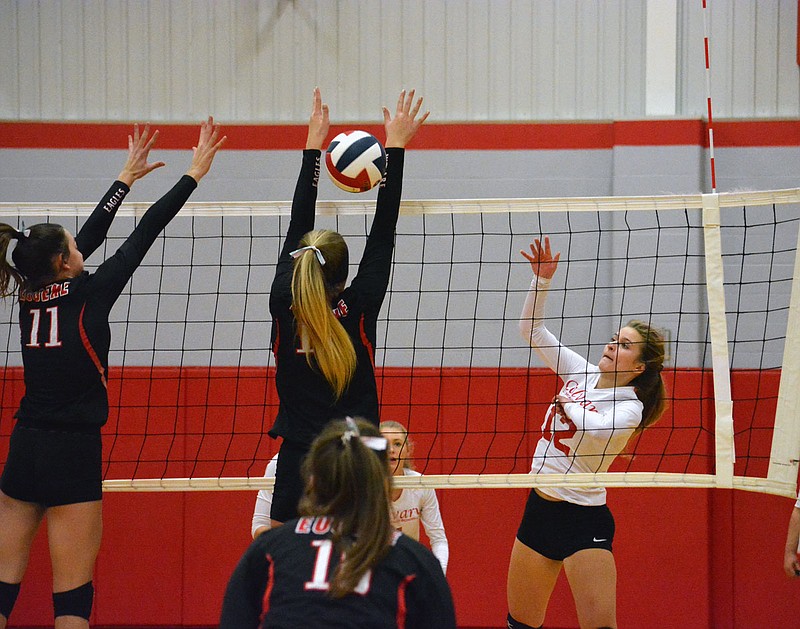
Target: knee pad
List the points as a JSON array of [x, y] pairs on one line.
[[77, 602], [8, 596], [516, 624]]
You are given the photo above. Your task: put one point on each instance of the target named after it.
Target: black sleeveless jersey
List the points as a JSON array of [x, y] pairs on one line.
[[307, 402], [283, 578], [64, 327]]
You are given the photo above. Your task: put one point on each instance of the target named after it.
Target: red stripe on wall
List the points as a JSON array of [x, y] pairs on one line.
[[660, 132], [763, 133], [450, 136]]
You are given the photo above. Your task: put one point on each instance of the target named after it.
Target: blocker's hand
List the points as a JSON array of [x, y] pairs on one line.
[[405, 124], [319, 123]]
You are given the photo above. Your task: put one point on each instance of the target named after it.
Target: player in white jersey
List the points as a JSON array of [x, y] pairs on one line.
[[412, 506], [596, 412], [261, 520], [791, 564]]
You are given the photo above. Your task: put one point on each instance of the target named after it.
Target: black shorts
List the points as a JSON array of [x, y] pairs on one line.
[[289, 485], [560, 529], [54, 467]]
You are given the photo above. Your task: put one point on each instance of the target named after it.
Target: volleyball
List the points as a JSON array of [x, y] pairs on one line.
[[356, 161]]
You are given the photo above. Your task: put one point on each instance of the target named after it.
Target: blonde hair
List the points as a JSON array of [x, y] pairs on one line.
[[393, 426], [349, 482], [313, 285]]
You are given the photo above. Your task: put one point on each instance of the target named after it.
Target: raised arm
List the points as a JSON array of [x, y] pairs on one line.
[[401, 128], [206, 150], [318, 123], [115, 272], [139, 147], [375, 266], [544, 265], [94, 231], [305, 193]]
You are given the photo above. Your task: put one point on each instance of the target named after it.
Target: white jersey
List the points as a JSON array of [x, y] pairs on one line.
[[599, 422], [421, 505], [264, 500]]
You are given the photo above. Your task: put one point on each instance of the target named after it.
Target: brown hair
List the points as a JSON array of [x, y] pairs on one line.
[[313, 286], [350, 482], [649, 385], [33, 256]]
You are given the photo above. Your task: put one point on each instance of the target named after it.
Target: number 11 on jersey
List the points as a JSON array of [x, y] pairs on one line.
[[36, 316]]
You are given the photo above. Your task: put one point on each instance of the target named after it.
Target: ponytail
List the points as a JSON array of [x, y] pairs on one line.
[[347, 479], [33, 257], [320, 265], [7, 271]]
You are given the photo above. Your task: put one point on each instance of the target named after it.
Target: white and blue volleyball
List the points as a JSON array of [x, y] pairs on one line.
[[356, 161]]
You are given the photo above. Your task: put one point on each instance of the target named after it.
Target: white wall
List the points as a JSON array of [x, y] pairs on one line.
[[257, 60]]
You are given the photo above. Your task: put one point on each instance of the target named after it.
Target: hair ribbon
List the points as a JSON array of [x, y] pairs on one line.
[[298, 252], [378, 444], [23, 233]]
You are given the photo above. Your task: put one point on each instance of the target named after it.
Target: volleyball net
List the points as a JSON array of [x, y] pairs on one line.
[[191, 378]]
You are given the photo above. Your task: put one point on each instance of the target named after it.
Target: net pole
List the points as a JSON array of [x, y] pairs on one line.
[[708, 98]]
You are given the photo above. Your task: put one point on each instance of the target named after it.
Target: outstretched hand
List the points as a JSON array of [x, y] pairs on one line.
[[319, 123], [543, 262], [207, 146], [138, 150], [404, 125]]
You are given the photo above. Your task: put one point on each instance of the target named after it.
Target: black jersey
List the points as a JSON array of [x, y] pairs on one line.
[[64, 326], [307, 402], [283, 578]]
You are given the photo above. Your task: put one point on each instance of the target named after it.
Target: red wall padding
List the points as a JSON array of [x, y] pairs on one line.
[[686, 557]]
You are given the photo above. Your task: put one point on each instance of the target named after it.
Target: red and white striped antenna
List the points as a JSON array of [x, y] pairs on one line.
[[708, 98]]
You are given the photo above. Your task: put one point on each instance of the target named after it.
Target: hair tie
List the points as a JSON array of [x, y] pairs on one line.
[[378, 444], [298, 252], [22, 235], [351, 430]]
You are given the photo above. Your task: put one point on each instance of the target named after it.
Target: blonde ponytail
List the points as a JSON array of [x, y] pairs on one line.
[[329, 347]]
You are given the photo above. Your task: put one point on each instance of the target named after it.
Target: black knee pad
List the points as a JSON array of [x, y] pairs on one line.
[[77, 602], [8, 596], [516, 624]]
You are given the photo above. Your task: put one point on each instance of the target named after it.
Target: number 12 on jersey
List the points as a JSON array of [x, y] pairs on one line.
[[551, 432]]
